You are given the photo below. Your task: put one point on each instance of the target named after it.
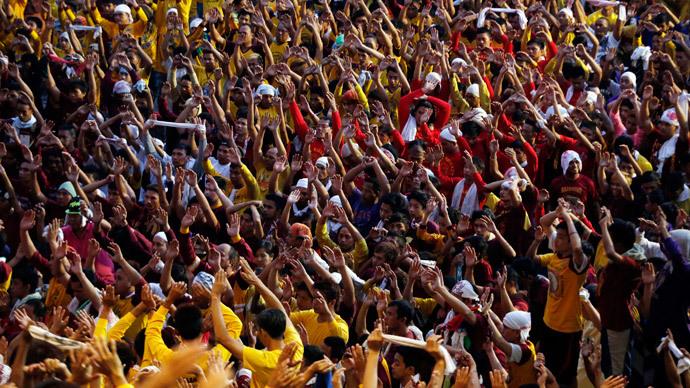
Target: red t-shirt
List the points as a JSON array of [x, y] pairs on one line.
[[582, 188]]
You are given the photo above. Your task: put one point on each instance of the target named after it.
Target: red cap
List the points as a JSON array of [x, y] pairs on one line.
[[300, 230]]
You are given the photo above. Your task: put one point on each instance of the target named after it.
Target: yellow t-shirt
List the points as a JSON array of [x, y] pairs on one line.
[[263, 362], [563, 310], [263, 176], [318, 331]]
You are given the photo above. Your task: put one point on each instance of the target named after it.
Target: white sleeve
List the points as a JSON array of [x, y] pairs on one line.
[[516, 353]]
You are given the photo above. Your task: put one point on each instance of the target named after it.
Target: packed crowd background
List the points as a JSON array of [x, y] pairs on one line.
[[344, 193]]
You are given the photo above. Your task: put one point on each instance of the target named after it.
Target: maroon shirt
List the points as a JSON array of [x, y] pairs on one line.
[[617, 281]]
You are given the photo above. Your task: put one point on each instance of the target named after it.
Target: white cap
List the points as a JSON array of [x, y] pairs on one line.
[[124, 8], [631, 76], [171, 10], [568, 12], [567, 157], [161, 235], [302, 183], [346, 151], [520, 321], [433, 77], [473, 90], [550, 112], [465, 290], [265, 89], [669, 116], [122, 87], [448, 136], [590, 97], [195, 23], [322, 161], [458, 60], [336, 200]]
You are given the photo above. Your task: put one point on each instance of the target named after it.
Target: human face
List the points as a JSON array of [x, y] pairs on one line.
[[393, 79], [121, 283], [562, 242], [574, 167], [626, 83], [648, 187], [246, 223], [24, 111], [186, 89], [511, 335], [578, 83], [151, 200], [423, 114], [534, 51], [244, 35], [667, 130], [385, 211], [416, 210], [24, 171], [345, 239], [397, 227], [179, 157], [263, 258], [482, 41], [472, 100], [480, 227], [399, 370], [682, 59], [223, 154], [378, 259], [416, 156], [159, 246], [282, 33], [241, 129], [74, 220], [368, 193], [62, 198], [304, 300], [121, 18], [589, 134], [236, 177], [270, 158], [601, 27], [18, 289], [449, 147], [269, 209], [563, 19], [208, 61], [392, 319], [504, 194]]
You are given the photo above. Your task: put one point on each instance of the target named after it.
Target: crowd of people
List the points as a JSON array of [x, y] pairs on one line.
[[345, 193]]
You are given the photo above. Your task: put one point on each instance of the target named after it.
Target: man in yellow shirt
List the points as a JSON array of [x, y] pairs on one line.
[[322, 321], [274, 329], [189, 321], [563, 313]]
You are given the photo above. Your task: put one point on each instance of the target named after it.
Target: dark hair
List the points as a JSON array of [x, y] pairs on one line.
[[181, 146], [623, 232], [374, 184], [272, 321], [418, 196], [38, 306], [127, 357], [279, 200], [188, 321], [395, 200], [28, 276], [479, 245], [337, 346], [404, 310], [478, 163], [266, 245], [471, 129], [482, 30], [538, 42], [329, 290], [419, 359], [477, 214], [578, 227], [77, 84], [312, 353], [389, 250], [398, 217]]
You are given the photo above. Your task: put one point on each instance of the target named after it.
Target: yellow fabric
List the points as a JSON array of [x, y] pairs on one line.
[[113, 29], [101, 327], [121, 308], [263, 362], [426, 305], [523, 374], [563, 311], [596, 15], [160, 352], [57, 294], [263, 176], [318, 331], [118, 330], [435, 239], [249, 192], [359, 254]]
